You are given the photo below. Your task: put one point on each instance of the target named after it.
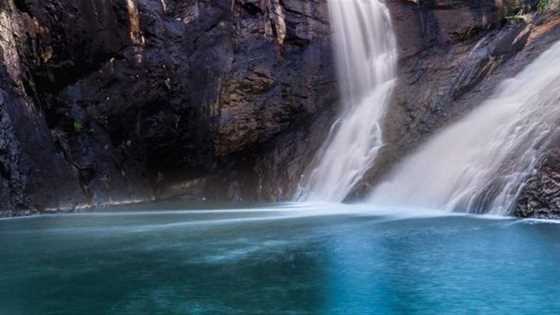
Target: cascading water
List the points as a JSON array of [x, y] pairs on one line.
[[480, 163], [366, 57]]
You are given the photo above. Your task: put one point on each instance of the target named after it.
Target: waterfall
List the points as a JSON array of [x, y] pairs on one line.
[[480, 163], [366, 57]]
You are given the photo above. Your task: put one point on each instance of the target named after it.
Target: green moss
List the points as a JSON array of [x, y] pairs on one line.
[[543, 5], [77, 126]]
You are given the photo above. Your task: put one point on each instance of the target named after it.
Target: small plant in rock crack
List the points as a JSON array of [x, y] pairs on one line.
[[543, 5], [78, 126]]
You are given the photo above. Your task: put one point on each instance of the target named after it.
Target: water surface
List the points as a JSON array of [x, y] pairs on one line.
[[283, 259]]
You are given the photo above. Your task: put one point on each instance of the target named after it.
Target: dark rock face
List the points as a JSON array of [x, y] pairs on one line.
[[33, 171], [137, 99], [540, 197], [105, 101]]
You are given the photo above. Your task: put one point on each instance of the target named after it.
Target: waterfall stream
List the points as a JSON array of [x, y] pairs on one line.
[[479, 164], [366, 57]]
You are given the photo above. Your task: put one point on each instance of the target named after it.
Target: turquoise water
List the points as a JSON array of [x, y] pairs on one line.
[[285, 259]]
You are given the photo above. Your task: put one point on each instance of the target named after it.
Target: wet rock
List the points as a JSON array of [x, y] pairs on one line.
[[540, 197]]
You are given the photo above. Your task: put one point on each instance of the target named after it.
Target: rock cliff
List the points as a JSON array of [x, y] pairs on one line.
[[108, 101]]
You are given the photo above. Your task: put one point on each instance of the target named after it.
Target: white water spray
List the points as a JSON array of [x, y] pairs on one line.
[[366, 57], [480, 163]]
